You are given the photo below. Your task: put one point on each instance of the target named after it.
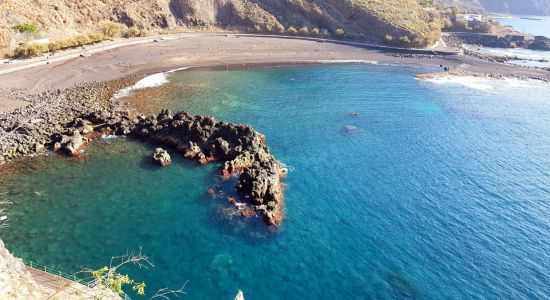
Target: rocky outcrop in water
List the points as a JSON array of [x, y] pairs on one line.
[[66, 121], [161, 157], [206, 139]]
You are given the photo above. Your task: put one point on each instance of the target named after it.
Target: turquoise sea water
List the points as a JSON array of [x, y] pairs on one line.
[[436, 190]]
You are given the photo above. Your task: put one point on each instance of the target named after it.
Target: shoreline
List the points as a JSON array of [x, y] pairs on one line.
[[72, 102], [222, 51], [21, 100], [84, 113]]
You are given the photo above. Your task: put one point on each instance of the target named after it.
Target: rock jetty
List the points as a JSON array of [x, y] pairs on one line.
[[205, 139], [512, 40], [81, 114]]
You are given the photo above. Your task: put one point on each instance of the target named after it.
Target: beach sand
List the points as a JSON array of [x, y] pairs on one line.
[[214, 50]]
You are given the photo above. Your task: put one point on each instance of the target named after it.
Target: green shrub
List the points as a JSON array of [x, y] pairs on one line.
[[315, 31], [69, 43], [461, 25], [269, 28], [9, 54], [79, 40], [388, 38], [405, 40], [257, 28], [292, 30], [339, 32], [279, 28], [484, 27], [82, 39], [31, 50], [96, 37], [111, 29], [55, 45], [25, 28], [304, 30], [447, 24], [135, 32]]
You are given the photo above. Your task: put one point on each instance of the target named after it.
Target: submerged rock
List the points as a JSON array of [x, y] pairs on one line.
[[351, 129], [221, 262], [161, 157]]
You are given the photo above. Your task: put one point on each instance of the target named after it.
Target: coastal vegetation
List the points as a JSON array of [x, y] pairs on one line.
[[292, 30], [107, 30], [112, 280], [367, 20], [25, 28]]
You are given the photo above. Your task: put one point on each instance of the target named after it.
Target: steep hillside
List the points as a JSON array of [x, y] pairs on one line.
[[468, 5], [370, 20]]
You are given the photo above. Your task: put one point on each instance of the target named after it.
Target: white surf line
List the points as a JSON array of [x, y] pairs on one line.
[[345, 61], [486, 84], [151, 81]]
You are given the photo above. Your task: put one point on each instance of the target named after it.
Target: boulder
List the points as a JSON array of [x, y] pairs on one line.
[[72, 144], [541, 45], [161, 157]]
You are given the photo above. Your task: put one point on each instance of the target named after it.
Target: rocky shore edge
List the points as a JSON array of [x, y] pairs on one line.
[[66, 121], [463, 71]]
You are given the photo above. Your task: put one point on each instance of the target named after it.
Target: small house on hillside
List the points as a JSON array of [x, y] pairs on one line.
[[469, 17]]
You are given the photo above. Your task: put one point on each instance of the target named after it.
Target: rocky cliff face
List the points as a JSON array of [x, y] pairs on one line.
[[15, 281], [370, 20], [473, 6]]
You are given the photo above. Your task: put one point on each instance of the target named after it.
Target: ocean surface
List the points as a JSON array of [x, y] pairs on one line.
[[535, 27], [434, 190]]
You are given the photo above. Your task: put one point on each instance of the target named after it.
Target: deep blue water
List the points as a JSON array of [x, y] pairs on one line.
[[438, 191]]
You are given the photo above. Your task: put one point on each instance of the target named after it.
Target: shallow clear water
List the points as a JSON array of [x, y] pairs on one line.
[[439, 190], [535, 27]]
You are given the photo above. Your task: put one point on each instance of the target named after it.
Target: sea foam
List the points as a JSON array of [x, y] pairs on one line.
[[488, 84], [348, 61], [150, 81], [472, 82]]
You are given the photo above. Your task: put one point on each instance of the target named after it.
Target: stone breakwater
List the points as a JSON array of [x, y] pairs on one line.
[[67, 121], [512, 40]]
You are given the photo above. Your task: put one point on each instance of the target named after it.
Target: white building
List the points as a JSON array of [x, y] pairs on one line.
[[469, 17]]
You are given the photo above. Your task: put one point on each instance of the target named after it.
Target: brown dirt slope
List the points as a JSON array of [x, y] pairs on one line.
[[369, 20]]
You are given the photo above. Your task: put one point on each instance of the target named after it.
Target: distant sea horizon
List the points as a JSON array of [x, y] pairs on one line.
[[535, 27]]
